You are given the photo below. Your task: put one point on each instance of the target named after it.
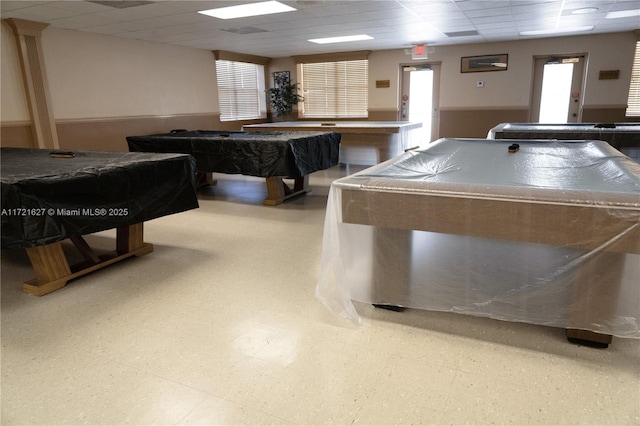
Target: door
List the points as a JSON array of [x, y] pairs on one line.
[[419, 98], [557, 89]]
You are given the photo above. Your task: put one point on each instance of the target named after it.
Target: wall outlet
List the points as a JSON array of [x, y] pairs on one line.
[[480, 83]]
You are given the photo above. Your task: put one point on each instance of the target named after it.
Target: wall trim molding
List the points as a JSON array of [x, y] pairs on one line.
[[623, 106], [490, 108], [18, 123], [384, 109], [134, 117], [240, 57]]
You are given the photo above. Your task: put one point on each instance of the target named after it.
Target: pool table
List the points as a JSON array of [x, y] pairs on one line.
[[49, 196], [387, 138], [535, 231], [274, 155], [625, 137]]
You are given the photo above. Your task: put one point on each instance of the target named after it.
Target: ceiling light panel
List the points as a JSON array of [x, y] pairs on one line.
[[581, 11], [556, 31], [623, 14], [341, 39], [244, 10]]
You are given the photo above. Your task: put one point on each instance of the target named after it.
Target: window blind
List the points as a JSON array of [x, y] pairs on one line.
[[633, 102], [335, 89], [240, 90]]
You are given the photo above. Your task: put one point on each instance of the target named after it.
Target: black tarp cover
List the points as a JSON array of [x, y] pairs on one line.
[[261, 154], [47, 199]]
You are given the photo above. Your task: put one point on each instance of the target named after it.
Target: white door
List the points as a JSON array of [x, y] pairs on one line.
[[419, 98], [557, 89]]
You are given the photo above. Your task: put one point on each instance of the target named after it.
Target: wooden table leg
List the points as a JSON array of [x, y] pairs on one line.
[[278, 191], [391, 268], [52, 268], [595, 295], [205, 179], [129, 238]]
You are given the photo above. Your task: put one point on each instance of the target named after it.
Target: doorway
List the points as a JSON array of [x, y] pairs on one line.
[[557, 89], [419, 99]]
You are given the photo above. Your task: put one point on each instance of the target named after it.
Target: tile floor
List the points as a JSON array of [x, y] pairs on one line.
[[219, 325]]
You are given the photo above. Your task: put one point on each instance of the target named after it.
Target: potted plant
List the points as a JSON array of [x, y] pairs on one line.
[[283, 95]]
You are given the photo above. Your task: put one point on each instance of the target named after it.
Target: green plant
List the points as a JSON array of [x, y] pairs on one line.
[[283, 95]]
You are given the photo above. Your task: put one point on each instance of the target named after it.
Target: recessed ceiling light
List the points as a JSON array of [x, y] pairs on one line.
[[340, 39], [584, 10], [244, 10], [557, 31], [623, 14]]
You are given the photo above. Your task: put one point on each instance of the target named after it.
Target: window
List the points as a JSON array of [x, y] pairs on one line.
[[335, 89], [633, 103], [241, 93]]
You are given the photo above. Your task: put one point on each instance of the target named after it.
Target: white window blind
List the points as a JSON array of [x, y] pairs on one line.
[[335, 89], [633, 103], [241, 93]]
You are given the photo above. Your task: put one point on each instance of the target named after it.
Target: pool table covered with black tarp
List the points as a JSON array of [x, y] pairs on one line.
[[272, 155], [48, 196]]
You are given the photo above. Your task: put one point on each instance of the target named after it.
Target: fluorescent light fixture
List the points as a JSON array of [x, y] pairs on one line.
[[623, 14], [244, 10], [584, 10], [340, 39], [557, 31]]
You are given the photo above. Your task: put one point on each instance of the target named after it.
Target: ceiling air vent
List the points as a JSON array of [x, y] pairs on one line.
[[462, 33], [244, 30], [121, 4]]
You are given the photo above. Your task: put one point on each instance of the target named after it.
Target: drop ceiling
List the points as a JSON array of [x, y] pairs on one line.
[[393, 24]]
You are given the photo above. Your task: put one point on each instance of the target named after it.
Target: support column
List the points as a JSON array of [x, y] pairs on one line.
[[28, 36]]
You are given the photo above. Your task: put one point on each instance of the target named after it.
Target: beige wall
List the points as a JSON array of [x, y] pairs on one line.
[[134, 86], [14, 107], [95, 76], [105, 88], [510, 87], [469, 111]]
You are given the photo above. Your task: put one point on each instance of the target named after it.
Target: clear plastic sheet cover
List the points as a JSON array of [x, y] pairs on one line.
[[548, 234], [261, 154], [619, 135], [47, 199]]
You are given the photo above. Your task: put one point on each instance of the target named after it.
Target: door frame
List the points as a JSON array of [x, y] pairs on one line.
[[435, 66], [578, 84]]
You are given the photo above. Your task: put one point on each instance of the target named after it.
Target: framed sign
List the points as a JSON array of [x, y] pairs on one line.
[[484, 63]]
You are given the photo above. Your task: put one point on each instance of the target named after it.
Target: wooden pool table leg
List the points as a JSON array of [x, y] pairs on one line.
[[278, 191], [52, 268], [204, 179], [595, 295], [391, 268]]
